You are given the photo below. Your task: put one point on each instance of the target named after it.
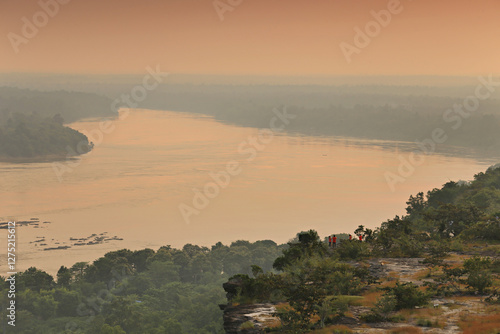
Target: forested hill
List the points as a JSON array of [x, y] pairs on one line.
[[31, 123], [72, 106], [33, 136], [446, 247]]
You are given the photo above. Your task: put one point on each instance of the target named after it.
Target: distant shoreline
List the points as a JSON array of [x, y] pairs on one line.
[[37, 159]]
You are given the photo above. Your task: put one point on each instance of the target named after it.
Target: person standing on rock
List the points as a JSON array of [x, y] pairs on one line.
[[334, 241], [360, 238], [330, 241], [350, 237]]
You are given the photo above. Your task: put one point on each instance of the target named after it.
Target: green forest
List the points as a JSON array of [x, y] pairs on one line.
[[32, 123], [146, 291], [315, 287], [33, 136]]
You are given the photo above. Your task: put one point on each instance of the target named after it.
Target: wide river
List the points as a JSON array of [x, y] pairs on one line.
[[152, 163]]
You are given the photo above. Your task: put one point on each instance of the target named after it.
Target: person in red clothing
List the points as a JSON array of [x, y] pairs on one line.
[[350, 237], [330, 241], [334, 241], [360, 238]]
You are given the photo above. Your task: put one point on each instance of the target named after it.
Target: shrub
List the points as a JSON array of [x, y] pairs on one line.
[[386, 304], [372, 317], [352, 250], [478, 274], [247, 325], [424, 322], [408, 295]]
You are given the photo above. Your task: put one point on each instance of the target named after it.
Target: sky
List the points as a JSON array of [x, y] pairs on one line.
[[251, 37]]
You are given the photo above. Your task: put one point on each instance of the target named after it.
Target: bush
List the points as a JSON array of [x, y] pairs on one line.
[[424, 322], [478, 274], [372, 317], [352, 250], [247, 325], [408, 295], [386, 304], [292, 321]]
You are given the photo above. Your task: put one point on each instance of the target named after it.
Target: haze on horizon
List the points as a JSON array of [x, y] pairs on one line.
[[258, 37]]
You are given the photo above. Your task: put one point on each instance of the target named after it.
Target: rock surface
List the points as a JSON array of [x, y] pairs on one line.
[[256, 317]]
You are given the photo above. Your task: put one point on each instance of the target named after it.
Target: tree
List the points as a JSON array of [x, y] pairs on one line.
[[64, 276], [35, 280], [416, 204], [139, 258], [452, 219], [67, 302], [308, 244], [78, 270]]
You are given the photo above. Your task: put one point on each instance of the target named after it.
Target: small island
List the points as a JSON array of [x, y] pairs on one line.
[[32, 123], [30, 138]]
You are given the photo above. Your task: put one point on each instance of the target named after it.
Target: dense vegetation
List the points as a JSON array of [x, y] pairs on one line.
[[314, 285], [31, 123], [146, 291], [32, 136]]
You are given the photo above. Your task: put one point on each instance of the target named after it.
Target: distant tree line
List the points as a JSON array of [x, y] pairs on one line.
[[72, 106], [33, 136]]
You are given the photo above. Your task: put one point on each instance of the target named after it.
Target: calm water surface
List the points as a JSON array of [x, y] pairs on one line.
[[131, 186]]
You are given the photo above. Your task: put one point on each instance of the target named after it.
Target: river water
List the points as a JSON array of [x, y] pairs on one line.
[[151, 163]]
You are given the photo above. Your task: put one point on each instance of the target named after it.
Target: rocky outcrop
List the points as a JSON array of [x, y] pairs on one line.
[[245, 318], [248, 318]]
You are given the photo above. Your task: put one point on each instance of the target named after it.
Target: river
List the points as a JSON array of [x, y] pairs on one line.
[[152, 163]]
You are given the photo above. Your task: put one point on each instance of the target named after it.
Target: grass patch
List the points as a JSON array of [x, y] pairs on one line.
[[247, 325], [337, 329], [371, 298], [352, 300], [406, 330], [480, 324]]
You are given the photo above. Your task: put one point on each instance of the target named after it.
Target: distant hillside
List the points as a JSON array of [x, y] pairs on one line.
[[72, 106], [31, 123]]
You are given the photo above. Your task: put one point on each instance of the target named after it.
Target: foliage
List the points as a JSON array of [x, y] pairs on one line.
[[386, 304], [352, 250], [465, 210], [407, 295], [170, 290], [306, 244], [29, 136], [478, 272]]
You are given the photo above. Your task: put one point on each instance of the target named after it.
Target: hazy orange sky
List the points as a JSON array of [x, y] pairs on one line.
[[260, 37]]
